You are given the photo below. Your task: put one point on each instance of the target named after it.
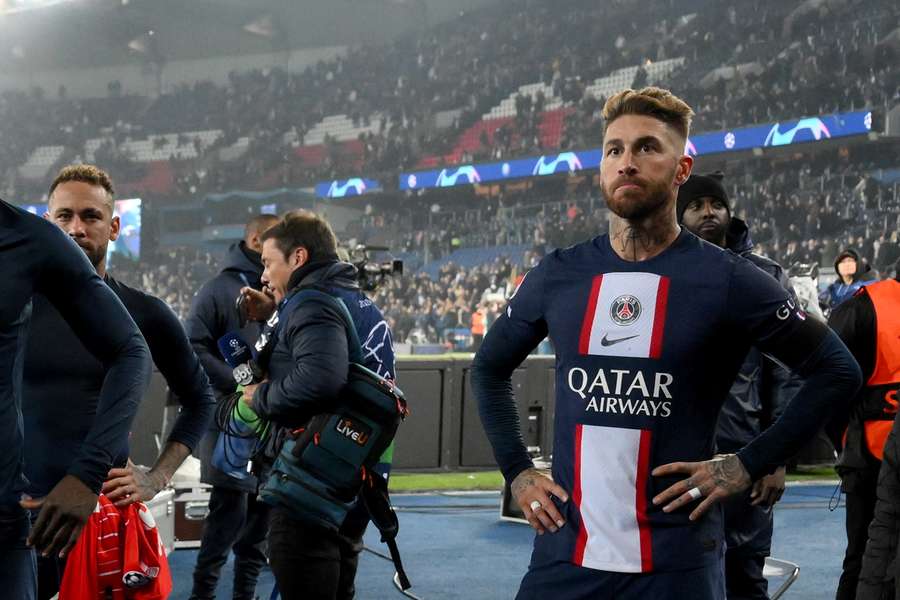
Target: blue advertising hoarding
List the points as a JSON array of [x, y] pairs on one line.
[[548, 164], [344, 188], [784, 133], [745, 138]]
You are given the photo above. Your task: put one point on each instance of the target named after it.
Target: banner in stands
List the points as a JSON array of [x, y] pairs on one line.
[[344, 188], [758, 136]]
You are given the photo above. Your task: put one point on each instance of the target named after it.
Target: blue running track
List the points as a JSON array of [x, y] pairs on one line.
[[454, 546]]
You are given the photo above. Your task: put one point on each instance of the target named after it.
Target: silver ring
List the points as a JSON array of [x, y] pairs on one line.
[[695, 493], [535, 506]]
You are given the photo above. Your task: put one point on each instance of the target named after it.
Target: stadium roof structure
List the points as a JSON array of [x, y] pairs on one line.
[[49, 35]]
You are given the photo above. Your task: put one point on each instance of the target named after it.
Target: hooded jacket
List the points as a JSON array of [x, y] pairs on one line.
[[762, 388], [759, 394], [308, 361], [213, 314], [307, 358], [838, 291]]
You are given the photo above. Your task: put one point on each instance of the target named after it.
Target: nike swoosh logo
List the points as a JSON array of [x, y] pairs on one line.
[[608, 342]]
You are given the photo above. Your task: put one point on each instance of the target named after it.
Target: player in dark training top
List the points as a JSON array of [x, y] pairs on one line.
[[36, 257], [57, 366], [650, 325]]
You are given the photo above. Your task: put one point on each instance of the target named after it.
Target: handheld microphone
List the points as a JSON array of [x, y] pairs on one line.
[[239, 356]]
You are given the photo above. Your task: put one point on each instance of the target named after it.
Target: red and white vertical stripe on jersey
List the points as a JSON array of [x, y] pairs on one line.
[[611, 472], [640, 333]]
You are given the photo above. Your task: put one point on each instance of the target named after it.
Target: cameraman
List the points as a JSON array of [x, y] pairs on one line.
[[307, 362]]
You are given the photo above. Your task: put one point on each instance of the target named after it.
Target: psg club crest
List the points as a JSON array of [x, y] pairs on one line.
[[625, 310]]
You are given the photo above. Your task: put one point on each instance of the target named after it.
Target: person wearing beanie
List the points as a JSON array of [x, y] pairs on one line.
[[852, 274], [756, 398], [694, 190]]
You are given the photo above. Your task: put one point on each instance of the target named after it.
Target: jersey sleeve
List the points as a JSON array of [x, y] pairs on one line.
[[510, 339], [760, 307], [103, 325], [173, 355]]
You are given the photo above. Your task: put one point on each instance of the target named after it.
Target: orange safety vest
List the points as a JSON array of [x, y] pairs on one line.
[[880, 395], [478, 323]]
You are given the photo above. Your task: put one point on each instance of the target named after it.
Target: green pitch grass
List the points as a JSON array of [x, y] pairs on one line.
[[492, 480]]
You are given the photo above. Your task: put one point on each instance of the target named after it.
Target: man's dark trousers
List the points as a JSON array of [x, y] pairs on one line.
[[748, 533], [311, 562], [744, 576], [18, 572], [236, 520], [860, 487]]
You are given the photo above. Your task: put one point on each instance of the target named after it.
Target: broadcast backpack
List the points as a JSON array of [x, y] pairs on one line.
[[325, 467]]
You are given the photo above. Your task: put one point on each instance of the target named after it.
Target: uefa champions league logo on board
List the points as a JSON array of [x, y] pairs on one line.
[[351, 187], [569, 160], [813, 125], [450, 178]]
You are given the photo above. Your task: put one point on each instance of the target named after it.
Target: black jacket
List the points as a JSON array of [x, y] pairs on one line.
[[213, 314], [855, 322], [760, 392], [309, 359], [881, 568], [762, 388]]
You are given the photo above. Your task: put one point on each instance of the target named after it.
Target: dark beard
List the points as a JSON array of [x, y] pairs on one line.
[[640, 207], [713, 236]]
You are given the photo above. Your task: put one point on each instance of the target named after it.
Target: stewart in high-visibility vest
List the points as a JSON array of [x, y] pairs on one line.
[[869, 324]]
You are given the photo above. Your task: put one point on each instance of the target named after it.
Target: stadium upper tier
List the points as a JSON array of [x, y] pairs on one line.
[[516, 79]]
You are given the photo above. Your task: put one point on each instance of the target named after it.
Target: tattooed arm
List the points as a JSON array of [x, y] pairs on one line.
[[716, 479]]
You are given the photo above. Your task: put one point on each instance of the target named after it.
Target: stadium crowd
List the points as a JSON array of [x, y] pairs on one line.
[[466, 66], [838, 60]]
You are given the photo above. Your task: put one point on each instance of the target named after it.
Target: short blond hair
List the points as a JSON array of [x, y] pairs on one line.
[[90, 174], [650, 102]]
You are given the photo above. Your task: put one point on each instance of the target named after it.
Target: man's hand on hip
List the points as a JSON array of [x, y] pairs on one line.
[[64, 512], [532, 490], [713, 480]]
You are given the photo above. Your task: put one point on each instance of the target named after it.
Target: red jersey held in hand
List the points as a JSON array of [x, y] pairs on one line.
[[119, 556]]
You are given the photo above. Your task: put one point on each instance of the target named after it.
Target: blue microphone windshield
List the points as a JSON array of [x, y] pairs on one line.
[[234, 350]]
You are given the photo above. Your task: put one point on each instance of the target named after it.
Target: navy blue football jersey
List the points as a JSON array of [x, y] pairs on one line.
[[645, 355]]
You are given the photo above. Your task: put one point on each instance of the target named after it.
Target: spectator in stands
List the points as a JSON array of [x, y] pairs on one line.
[[852, 274]]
